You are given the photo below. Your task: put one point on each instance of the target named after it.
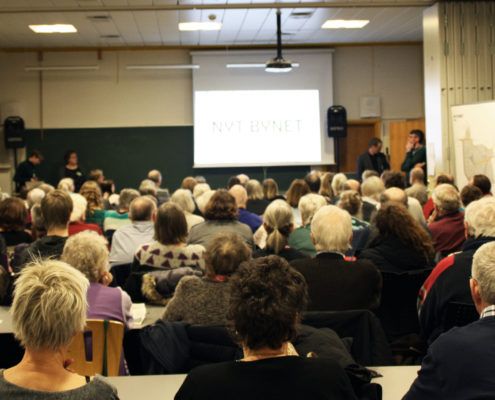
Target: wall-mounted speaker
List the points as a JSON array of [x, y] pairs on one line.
[[14, 133], [337, 122]]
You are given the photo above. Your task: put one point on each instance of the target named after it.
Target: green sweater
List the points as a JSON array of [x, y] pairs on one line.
[[300, 239]]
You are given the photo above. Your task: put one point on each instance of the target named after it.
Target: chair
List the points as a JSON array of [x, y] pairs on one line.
[[120, 274], [459, 314], [105, 348]]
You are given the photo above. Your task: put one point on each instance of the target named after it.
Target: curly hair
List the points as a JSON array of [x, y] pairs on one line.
[[393, 219], [221, 206], [298, 188], [13, 214], [350, 200], [267, 297], [91, 191]]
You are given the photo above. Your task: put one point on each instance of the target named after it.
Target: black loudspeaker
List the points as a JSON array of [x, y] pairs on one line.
[[14, 132], [337, 122]]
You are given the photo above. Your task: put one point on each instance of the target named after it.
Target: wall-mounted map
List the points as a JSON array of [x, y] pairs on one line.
[[474, 141]]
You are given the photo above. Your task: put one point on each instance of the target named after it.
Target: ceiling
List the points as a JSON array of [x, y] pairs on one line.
[[137, 23]]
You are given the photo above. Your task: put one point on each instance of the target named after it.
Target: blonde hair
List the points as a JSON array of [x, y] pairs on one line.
[[331, 229], [338, 183], [49, 305], [199, 189], [270, 188], [483, 271], [79, 205], [88, 252], [254, 190], [204, 199], [278, 221], [308, 205], [184, 199], [66, 184], [326, 185], [92, 193]]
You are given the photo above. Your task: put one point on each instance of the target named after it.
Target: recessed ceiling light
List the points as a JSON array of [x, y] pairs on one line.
[[54, 28], [200, 26], [345, 23]]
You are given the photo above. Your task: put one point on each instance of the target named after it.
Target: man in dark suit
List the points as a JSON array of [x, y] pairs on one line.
[[336, 282], [26, 170], [459, 364], [372, 159]]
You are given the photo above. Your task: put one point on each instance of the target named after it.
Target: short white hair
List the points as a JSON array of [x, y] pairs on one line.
[[309, 204], [66, 184], [446, 197], [483, 271], [35, 196], [338, 183], [203, 200], [184, 199], [199, 189], [480, 217], [49, 305], [373, 187], [331, 229], [79, 206], [147, 186], [88, 252]]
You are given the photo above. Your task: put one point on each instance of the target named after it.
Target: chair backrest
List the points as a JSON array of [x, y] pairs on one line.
[[101, 352], [459, 314]]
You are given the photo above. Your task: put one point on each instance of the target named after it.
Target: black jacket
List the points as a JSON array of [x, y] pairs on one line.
[[365, 162], [337, 283], [24, 172], [47, 247]]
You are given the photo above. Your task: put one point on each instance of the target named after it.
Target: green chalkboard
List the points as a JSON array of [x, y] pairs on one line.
[[127, 154]]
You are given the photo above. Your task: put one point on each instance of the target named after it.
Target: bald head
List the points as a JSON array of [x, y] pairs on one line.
[[155, 176], [240, 195], [394, 194], [142, 209]]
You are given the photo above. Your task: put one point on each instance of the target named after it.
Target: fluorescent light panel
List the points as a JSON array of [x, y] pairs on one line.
[[54, 28], [200, 26], [345, 23]]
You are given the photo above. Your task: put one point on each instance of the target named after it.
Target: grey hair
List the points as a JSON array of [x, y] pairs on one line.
[[66, 184], [126, 197], [35, 196], [338, 183], [79, 206], [200, 188], [184, 199], [373, 187], [49, 305], [331, 229], [446, 197], [88, 252], [480, 217], [309, 204], [147, 186], [203, 200], [483, 271]]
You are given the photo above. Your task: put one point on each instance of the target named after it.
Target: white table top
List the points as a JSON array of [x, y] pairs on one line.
[[395, 382], [5, 320]]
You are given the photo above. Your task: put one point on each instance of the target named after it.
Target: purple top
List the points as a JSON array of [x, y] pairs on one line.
[[110, 303]]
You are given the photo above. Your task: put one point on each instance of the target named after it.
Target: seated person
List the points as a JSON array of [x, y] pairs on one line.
[[418, 189], [483, 183], [446, 224], [371, 188], [336, 282], [401, 243], [147, 188], [313, 179], [184, 199], [326, 186], [108, 191], [78, 215], [13, 218], [266, 301], [459, 363], [252, 220], [49, 308], [297, 189], [168, 252], [429, 207], [162, 194], [205, 300], [300, 238], [66, 184], [350, 201], [56, 208], [278, 222], [447, 281], [220, 216], [115, 219], [256, 202], [88, 252], [126, 240], [95, 213], [470, 193], [270, 190]]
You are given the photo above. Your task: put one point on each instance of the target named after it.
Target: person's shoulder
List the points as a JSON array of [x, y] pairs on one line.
[[98, 387], [190, 283]]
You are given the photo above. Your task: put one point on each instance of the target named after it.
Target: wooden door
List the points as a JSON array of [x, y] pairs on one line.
[[399, 131]]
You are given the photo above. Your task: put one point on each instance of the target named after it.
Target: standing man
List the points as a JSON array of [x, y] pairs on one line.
[[26, 170], [415, 152], [372, 159]]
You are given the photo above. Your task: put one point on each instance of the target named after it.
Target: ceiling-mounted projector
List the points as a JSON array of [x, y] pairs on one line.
[[279, 63]]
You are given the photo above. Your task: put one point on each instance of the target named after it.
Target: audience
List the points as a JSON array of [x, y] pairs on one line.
[[256, 202], [49, 308], [368, 173], [336, 282], [482, 182], [34, 197], [429, 207], [266, 301], [350, 200], [97, 176], [372, 189], [352, 184], [184, 199], [148, 188], [188, 183], [66, 184], [233, 180], [270, 190], [448, 280], [202, 201], [300, 238], [417, 188], [243, 179], [400, 196], [446, 224], [313, 180], [338, 185], [162, 194], [95, 213], [326, 186], [127, 239], [252, 220], [205, 300], [13, 217], [77, 217], [298, 188], [278, 222], [220, 217], [108, 192], [115, 219], [470, 193], [401, 243], [168, 252], [459, 363], [56, 208]]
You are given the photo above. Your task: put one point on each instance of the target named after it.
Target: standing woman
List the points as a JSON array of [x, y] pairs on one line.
[[72, 169]]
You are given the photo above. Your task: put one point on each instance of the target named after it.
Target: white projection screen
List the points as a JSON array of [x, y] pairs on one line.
[[249, 117]]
